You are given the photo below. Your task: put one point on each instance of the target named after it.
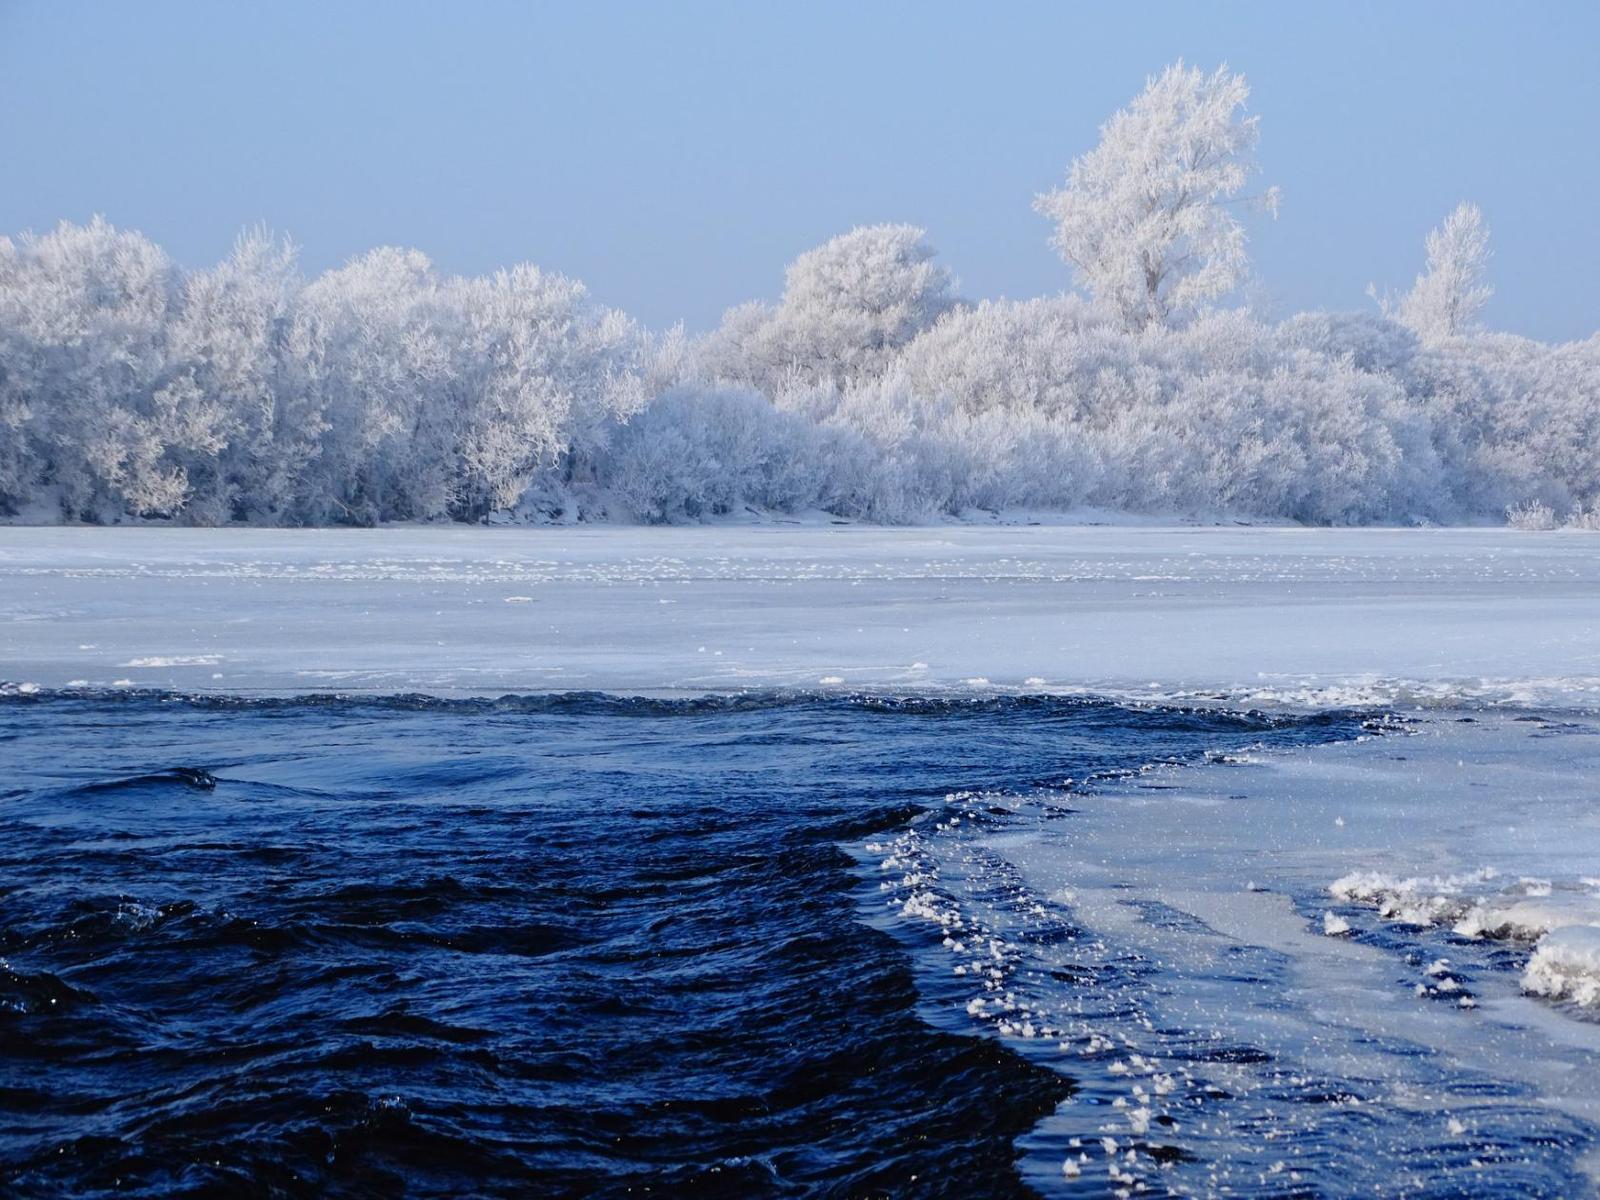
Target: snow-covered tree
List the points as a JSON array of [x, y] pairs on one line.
[[1446, 299], [541, 377], [695, 453], [1027, 356], [449, 397], [85, 310], [19, 457], [1148, 218], [375, 341], [384, 391], [232, 417], [866, 293], [848, 306], [1367, 342]]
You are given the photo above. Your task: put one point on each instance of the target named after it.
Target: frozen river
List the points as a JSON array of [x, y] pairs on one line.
[[1316, 616]]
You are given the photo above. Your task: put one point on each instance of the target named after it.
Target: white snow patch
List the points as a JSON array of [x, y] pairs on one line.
[[174, 660], [1560, 918], [1566, 966], [1469, 903]]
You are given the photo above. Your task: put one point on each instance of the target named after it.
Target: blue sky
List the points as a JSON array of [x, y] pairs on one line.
[[676, 156]]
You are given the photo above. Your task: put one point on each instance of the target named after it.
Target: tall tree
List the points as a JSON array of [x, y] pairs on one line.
[[1447, 297], [1147, 219]]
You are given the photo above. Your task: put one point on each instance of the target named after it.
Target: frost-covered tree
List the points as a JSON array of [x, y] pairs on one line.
[[1368, 343], [85, 310], [848, 306], [1446, 299], [1027, 356], [19, 457], [696, 453], [385, 391], [542, 376], [868, 292], [375, 341], [235, 419], [449, 397], [1148, 218]]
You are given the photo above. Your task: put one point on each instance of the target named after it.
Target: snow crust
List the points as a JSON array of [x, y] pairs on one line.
[[1249, 615], [1560, 917], [1477, 904], [1566, 965]]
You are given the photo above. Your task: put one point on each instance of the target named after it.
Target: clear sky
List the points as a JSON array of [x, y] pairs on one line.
[[675, 156]]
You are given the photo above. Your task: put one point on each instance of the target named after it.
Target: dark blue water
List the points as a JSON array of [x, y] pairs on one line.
[[534, 946]]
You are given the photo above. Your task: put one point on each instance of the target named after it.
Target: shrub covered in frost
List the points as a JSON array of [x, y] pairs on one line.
[[1533, 515]]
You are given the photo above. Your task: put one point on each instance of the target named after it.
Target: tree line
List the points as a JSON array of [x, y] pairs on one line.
[[385, 391]]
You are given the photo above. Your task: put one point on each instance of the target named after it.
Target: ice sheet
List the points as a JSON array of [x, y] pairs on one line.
[[1316, 616]]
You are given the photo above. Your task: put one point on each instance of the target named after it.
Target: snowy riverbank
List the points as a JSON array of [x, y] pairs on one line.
[[1316, 616]]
